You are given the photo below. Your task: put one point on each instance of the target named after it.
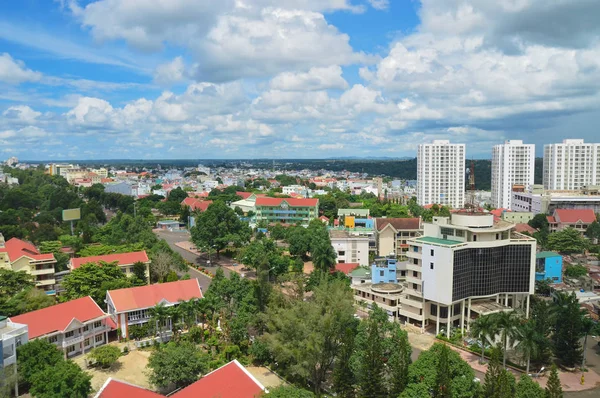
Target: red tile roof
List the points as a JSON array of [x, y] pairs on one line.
[[16, 248], [524, 227], [398, 223], [324, 218], [346, 268], [195, 204], [291, 201], [121, 258], [551, 219], [229, 381], [59, 316], [586, 216], [498, 212], [117, 389], [134, 298]]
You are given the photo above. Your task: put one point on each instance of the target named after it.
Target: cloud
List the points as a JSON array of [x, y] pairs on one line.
[[315, 79], [379, 4], [171, 72], [13, 71], [21, 114], [330, 147]]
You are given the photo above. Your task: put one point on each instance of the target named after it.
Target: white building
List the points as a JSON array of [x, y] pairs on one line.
[[12, 335], [441, 174], [350, 248], [541, 201], [513, 163], [571, 165], [465, 266], [294, 189]]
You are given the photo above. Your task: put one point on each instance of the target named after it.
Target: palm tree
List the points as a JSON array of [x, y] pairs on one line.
[[159, 313], [483, 328], [506, 322], [176, 314], [323, 256], [189, 311], [528, 341]]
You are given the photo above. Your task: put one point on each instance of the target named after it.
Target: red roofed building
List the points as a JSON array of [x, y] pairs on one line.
[[131, 306], [18, 255], [124, 260], [392, 234], [571, 218], [346, 268], [75, 326], [524, 227], [196, 204], [286, 210], [229, 381]]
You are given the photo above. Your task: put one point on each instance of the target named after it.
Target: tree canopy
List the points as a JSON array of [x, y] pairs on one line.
[[94, 280], [177, 364]]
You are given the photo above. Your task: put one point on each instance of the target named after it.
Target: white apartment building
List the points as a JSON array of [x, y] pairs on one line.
[[441, 174], [350, 248], [571, 165], [465, 266], [12, 335], [513, 163]]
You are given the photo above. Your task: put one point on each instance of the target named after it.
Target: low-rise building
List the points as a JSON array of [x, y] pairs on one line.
[[74, 327], [548, 265], [18, 255], [517, 217], [537, 200], [393, 235], [286, 210], [12, 335], [383, 270], [131, 306], [350, 248], [360, 275], [571, 218], [124, 260]]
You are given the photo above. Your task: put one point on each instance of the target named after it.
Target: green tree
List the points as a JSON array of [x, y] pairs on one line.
[[368, 361], [299, 241], [553, 387], [323, 255], [527, 341], [139, 271], [416, 390], [400, 360], [65, 379], [568, 241], [482, 329], [172, 276], [159, 314], [543, 324], [305, 337], [288, 392], [177, 195], [176, 364], [219, 226], [588, 326], [93, 280], [34, 357], [568, 329], [527, 388], [442, 379], [343, 377], [593, 230], [539, 222], [576, 271], [26, 301], [506, 323], [506, 385], [105, 355], [491, 385]]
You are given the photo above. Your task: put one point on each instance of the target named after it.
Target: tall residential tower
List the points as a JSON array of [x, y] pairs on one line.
[[571, 165], [441, 174], [513, 163]]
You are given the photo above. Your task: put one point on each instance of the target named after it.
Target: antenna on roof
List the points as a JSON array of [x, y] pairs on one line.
[[471, 205]]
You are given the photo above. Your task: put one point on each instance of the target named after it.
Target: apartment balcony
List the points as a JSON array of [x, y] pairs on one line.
[[413, 292], [414, 254], [410, 312], [9, 358], [42, 271], [411, 279], [45, 282], [72, 340], [412, 302], [413, 267]]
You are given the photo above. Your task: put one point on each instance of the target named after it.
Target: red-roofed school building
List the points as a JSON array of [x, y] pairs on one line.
[[75, 326], [578, 219], [286, 210], [18, 255], [229, 381], [130, 306], [124, 260]]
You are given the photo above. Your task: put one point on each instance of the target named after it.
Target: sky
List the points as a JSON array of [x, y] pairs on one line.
[[193, 79]]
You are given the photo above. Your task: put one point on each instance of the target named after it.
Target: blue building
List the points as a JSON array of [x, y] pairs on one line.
[[548, 265], [383, 270]]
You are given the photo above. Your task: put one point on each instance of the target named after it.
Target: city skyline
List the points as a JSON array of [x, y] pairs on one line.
[[291, 79]]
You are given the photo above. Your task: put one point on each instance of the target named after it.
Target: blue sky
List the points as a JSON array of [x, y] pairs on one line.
[[117, 79]]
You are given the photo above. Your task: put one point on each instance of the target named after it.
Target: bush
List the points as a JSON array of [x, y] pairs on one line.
[[575, 271], [260, 352], [125, 350], [105, 355]]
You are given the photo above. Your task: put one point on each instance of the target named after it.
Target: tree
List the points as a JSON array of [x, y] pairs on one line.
[[343, 377], [93, 280], [492, 376], [160, 266], [368, 360], [539, 222], [172, 276], [416, 390], [593, 231], [305, 337], [288, 392], [65, 379], [483, 328], [177, 364], [323, 256], [28, 300], [442, 378], [299, 241], [576, 271], [399, 361], [219, 226], [568, 241], [553, 387], [35, 356], [527, 341], [139, 271], [105, 355], [587, 327], [159, 314], [506, 385], [542, 322], [568, 328], [506, 323], [527, 388]]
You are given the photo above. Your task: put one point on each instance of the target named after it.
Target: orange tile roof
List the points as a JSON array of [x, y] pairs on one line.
[[134, 298], [121, 258], [17, 248], [229, 381], [58, 317], [294, 202], [398, 223], [195, 204], [524, 227], [346, 268], [586, 216], [117, 389]]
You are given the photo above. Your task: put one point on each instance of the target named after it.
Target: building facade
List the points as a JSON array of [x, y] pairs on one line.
[[464, 266], [541, 201], [548, 265], [286, 210], [513, 163], [570, 218], [441, 174], [350, 248], [393, 234], [571, 165], [18, 255], [383, 270], [125, 261], [12, 335], [75, 327]]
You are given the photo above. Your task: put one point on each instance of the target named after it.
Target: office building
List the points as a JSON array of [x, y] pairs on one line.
[[538, 200], [350, 248], [513, 163], [441, 174], [464, 266], [571, 165], [286, 210]]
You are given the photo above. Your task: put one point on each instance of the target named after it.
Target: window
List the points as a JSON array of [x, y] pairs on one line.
[[474, 238], [432, 252], [99, 338], [341, 253], [70, 349], [86, 342], [447, 231], [415, 261], [86, 328], [415, 274], [69, 334], [414, 286], [97, 324], [381, 273], [497, 236], [52, 339], [430, 265]]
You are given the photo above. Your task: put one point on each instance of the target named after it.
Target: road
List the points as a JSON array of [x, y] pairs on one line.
[[174, 237]]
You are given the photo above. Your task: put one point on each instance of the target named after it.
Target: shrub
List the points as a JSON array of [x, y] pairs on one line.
[[105, 355], [125, 350]]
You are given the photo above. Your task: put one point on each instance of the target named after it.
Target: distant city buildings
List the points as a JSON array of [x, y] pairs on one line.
[[513, 163], [441, 174], [571, 165]]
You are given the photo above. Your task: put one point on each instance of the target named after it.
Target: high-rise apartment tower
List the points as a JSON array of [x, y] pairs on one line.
[[571, 165], [441, 174], [513, 163]]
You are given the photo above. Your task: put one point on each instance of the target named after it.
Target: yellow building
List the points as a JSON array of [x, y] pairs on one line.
[[18, 255]]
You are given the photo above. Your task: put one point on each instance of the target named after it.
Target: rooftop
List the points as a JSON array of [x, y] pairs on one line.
[[398, 223], [547, 254], [120, 258], [342, 234], [140, 297], [438, 241]]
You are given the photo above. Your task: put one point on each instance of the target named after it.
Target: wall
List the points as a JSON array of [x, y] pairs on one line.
[[385, 242], [438, 282]]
